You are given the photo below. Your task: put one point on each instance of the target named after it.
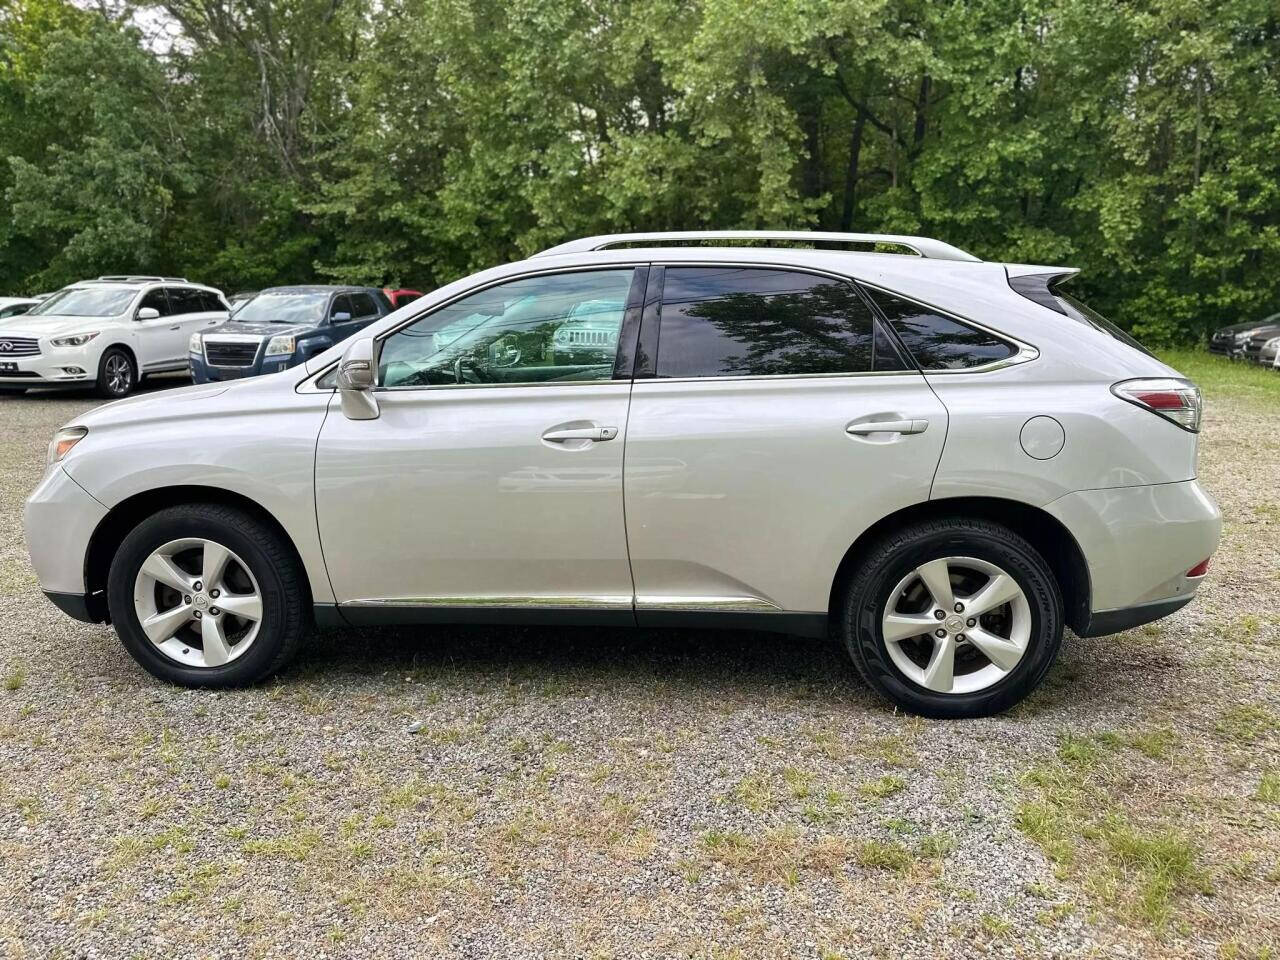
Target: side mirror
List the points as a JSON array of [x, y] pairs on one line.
[[147, 313], [357, 376], [342, 316]]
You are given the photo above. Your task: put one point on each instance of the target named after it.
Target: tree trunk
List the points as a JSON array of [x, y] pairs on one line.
[[851, 172]]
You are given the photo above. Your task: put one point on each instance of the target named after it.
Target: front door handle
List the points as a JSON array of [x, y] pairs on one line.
[[887, 426], [176, 326], [562, 434]]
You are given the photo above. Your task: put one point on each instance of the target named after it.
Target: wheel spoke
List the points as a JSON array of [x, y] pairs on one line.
[[939, 674], [247, 605], [163, 568], [162, 626], [214, 564], [1000, 589], [214, 639], [1005, 654], [937, 580], [900, 626]]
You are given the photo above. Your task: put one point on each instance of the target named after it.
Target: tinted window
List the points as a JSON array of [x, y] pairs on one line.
[[741, 321], [209, 302], [548, 329], [284, 306], [362, 306], [185, 300], [936, 341]]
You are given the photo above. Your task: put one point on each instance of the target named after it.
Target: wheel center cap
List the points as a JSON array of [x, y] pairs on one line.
[[201, 600], [954, 624]]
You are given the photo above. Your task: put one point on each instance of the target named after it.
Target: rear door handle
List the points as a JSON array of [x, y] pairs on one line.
[[560, 435], [176, 326], [887, 426]]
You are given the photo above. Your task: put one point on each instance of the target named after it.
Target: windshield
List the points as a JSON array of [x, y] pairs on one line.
[[86, 302], [283, 308]]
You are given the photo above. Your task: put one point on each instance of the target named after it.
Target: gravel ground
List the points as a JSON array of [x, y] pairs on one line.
[[585, 793]]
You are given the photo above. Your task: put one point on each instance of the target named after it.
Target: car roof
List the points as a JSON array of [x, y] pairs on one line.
[[137, 283], [320, 288]]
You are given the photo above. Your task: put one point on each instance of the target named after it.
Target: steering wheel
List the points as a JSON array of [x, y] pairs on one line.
[[467, 363]]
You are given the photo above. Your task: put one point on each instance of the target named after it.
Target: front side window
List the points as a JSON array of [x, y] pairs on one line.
[[746, 321], [363, 307], [341, 305], [549, 329], [101, 301], [936, 341], [156, 300]]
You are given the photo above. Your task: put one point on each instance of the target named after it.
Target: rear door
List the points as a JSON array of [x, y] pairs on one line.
[[194, 311], [773, 419]]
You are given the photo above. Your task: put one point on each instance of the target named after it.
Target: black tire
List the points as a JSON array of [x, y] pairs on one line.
[[894, 557], [271, 560], [108, 385]]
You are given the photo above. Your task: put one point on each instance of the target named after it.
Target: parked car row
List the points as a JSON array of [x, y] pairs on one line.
[[1258, 341], [110, 332]]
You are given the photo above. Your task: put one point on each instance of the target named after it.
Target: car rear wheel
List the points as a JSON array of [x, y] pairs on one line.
[[116, 374], [953, 618], [205, 595]]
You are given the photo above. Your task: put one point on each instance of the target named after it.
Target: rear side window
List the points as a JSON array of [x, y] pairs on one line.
[[185, 300], [209, 302], [744, 321], [936, 341]]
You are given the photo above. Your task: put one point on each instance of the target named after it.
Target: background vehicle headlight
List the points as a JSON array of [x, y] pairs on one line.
[[63, 441], [1271, 344], [195, 344], [281, 346], [75, 340]]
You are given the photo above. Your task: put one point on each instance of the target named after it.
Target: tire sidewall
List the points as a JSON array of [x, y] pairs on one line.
[[177, 524], [866, 604]]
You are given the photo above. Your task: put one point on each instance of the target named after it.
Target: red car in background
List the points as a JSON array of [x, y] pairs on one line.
[[399, 298]]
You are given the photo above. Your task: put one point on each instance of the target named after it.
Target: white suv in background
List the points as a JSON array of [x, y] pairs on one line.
[[108, 332], [941, 461]]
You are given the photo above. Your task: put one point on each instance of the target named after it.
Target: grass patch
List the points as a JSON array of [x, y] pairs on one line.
[[878, 855], [1219, 377], [1077, 818], [14, 679], [882, 787], [1247, 722], [1268, 788]]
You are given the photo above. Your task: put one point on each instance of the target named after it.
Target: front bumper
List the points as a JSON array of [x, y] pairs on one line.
[[1139, 543], [59, 520], [45, 369]]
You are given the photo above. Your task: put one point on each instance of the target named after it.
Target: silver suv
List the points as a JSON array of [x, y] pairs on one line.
[[942, 461]]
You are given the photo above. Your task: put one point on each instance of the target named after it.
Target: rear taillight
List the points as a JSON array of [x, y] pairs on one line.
[[1175, 400], [1200, 569]]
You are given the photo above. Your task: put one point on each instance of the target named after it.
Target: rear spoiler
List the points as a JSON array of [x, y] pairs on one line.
[[1033, 281]]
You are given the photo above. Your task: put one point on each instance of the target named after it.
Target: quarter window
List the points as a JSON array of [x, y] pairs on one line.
[[936, 341], [744, 321], [547, 329]]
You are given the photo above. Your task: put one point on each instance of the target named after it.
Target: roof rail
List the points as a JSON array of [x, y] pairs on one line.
[[920, 246], [131, 278]]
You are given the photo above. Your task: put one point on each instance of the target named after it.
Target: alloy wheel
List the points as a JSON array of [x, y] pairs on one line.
[[119, 373], [197, 602], [956, 625]]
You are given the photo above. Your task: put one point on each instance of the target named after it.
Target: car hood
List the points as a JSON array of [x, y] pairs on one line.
[[265, 329], [52, 325]]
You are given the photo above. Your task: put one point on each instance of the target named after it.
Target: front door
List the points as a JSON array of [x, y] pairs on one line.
[[492, 477], [775, 423], [161, 341]]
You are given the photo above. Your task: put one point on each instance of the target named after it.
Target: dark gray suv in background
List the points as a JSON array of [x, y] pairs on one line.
[[281, 327]]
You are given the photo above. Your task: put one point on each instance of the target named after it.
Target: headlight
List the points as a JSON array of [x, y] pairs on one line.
[[75, 340], [281, 346], [63, 441], [195, 345], [1271, 344]]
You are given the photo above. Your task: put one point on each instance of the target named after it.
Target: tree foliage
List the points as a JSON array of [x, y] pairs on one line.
[[411, 141]]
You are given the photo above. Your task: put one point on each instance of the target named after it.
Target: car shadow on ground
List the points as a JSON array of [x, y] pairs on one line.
[[150, 384]]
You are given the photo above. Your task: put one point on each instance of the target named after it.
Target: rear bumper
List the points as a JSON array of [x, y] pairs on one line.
[[1139, 543]]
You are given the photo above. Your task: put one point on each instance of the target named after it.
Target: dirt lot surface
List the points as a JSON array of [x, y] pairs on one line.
[[526, 793]]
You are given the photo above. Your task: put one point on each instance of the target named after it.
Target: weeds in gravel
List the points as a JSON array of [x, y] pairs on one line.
[[1078, 819], [882, 787], [1247, 722], [14, 679], [1268, 788]]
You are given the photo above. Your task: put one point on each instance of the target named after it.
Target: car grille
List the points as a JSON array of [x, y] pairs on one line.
[[18, 347], [231, 353]]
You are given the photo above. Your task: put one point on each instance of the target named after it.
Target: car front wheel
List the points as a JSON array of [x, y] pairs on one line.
[[953, 618], [205, 595], [116, 374]]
